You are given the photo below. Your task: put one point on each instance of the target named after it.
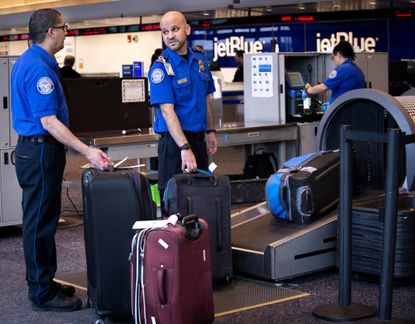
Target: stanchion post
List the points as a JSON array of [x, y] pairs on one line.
[[389, 225], [345, 219]]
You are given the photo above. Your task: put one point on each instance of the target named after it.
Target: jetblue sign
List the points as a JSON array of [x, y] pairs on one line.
[[376, 35], [369, 36]]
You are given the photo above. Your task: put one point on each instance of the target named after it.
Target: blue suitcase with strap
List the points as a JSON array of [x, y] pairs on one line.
[[305, 187]]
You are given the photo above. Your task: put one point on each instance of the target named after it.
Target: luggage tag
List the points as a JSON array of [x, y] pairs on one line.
[[117, 165], [138, 225]]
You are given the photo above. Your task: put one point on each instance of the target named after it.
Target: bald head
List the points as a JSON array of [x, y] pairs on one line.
[[175, 16], [174, 29]]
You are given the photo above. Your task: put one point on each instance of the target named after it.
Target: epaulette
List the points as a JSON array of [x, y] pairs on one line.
[[198, 48]]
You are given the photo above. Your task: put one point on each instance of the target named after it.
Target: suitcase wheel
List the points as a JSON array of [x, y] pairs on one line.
[[98, 320]]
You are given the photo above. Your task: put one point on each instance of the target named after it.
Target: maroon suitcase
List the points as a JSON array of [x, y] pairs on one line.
[[171, 280]]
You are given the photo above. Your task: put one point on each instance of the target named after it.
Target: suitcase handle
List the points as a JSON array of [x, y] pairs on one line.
[[161, 286], [191, 227], [201, 180], [219, 224]]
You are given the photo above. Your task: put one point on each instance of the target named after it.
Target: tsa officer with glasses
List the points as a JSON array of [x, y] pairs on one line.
[[40, 118], [345, 77], [180, 85]]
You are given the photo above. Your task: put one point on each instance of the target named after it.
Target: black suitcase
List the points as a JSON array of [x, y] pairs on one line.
[[313, 187], [113, 201], [210, 198], [367, 236]]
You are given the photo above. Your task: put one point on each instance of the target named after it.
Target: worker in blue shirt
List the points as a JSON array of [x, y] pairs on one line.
[[180, 85], [345, 77], [40, 118]]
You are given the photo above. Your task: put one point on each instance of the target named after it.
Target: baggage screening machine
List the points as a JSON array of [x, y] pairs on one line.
[[274, 249]]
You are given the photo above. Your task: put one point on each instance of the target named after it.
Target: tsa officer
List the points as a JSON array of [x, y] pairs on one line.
[[180, 85], [40, 118], [345, 77]]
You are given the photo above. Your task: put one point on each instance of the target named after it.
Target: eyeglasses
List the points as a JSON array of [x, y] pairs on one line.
[[63, 27], [333, 56]]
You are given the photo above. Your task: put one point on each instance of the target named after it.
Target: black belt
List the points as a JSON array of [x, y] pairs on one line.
[[38, 139], [189, 135]]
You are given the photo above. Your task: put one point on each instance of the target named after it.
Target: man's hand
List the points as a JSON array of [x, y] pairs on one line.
[[212, 143], [188, 160], [98, 159]]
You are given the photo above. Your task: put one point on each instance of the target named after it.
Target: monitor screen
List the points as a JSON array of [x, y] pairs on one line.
[[295, 79], [107, 104]]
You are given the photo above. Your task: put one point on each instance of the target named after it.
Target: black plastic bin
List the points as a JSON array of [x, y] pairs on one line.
[[367, 236]]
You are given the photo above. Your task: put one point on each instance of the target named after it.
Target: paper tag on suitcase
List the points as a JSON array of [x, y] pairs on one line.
[[155, 223]]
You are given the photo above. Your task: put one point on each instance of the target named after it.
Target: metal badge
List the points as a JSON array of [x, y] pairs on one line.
[[201, 66]]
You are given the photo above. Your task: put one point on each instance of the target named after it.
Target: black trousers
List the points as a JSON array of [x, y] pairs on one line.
[[170, 160], [39, 170]]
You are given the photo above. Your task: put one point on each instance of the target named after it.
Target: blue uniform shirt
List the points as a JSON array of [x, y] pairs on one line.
[[345, 77], [186, 90], [36, 91]]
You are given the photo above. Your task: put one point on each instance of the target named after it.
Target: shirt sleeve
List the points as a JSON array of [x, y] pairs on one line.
[[334, 79], [161, 91], [41, 90], [211, 86]]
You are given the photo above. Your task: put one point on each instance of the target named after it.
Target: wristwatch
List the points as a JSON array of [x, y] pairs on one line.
[[210, 130], [184, 147]]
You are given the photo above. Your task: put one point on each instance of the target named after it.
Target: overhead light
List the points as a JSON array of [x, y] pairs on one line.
[[301, 6], [268, 9], [336, 6], [15, 6], [372, 3], [206, 13]]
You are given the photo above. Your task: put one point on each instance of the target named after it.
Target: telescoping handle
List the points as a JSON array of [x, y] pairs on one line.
[[191, 227]]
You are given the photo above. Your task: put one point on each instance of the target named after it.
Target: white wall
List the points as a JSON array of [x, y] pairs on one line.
[[107, 53], [104, 53]]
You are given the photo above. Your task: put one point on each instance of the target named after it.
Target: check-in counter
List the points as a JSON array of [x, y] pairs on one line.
[[280, 139]]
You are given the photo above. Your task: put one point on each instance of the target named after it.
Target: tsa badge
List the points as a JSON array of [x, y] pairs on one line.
[[201, 66], [333, 74], [45, 85]]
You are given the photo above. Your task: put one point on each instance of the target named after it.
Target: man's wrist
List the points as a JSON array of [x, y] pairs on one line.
[[184, 147], [210, 130]]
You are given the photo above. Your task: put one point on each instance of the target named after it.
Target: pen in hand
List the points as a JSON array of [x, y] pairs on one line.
[[131, 131]]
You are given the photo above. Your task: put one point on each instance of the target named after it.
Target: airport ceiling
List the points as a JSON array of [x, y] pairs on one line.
[[91, 13]]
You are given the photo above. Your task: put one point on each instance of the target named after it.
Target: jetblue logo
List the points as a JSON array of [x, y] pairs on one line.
[[365, 44], [233, 44]]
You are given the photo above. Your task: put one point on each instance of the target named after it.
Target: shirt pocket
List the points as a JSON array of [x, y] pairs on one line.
[[182, 91]]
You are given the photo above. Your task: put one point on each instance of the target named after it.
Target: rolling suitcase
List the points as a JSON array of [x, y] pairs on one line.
[[171, 282], [208, 196], [113, 201], [305, 188]]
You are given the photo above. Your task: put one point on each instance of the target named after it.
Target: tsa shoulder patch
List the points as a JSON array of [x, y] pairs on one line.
[[157, 75], [333, 74], [45, 85]]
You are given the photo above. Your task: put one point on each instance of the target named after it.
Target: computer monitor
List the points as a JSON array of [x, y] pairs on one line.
[[294, 80], [107, 104]]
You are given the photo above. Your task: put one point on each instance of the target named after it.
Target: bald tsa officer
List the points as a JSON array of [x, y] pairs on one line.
[[180, 85], [40, 118]]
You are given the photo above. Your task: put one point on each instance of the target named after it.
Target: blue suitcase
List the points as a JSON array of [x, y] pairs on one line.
[[305, 188]]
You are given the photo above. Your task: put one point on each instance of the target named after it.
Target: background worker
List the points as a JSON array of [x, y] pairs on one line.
[[40, 117], [239, 73], [67, 70], [345, 77], [180, 84]]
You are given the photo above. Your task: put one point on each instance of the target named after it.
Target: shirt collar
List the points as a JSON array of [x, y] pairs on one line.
[[44, 55], [176, 58]]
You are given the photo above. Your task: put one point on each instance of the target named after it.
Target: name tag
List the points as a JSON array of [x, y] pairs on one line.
[[184, 80]]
